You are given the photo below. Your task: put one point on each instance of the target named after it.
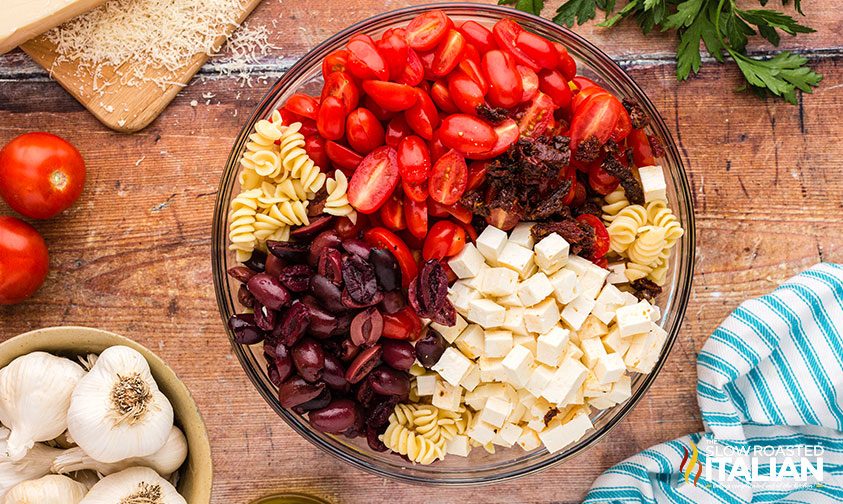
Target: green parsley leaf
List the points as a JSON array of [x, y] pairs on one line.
[[575, 11], [531, 6], [768, 21], [781, 75]]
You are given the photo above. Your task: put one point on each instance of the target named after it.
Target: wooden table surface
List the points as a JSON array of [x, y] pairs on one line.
[[132, 256]]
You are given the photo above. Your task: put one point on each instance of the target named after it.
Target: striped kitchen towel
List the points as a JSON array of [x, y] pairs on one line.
[[770, 390]]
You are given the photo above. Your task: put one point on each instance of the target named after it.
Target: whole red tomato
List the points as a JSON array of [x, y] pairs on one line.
[[41, 174], [23, 260]]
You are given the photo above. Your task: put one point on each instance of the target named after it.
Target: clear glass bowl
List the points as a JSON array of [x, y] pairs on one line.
[[480, 467]]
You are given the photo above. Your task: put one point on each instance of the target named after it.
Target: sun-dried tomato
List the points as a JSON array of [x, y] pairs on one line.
[[637, 115]]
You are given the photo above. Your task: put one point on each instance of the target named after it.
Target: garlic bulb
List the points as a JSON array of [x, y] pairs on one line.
[[35, 392], [54, 489], [138, 485], [34, 465], [116, 411], [165, 461]]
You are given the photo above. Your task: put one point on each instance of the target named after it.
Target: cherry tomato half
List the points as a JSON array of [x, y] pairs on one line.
[[428, 29], [331, 122], [467, 134], [465, 92], [478, 36], [392, 213], [23, 260], [505, 86], [396, 130], [415, 213], [342, 157], [342, 86], [596, 117], [374, 180], [395, 50], [384, 238], [442, 97], [303, 105], [392, 96], [423, 117], [508, 133], [413, 73], [642, 152], [316, 148], [402, 325], [448, 53], [444, 238], [363, 131], [337, 61], [413, 160], [538, 116], [567, 65], [364, 59], [601, 235], [415, 192], [449, 178], [553, 84], [600, 181], [530, 83]]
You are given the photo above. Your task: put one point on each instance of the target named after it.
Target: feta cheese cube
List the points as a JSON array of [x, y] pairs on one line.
[[529, 440], [481, 432], [487, 313], [552, 253], [591, 281], [498, 282], [617, 273], [592, 387], [578, 265], [496, 411], [629, 299], [450, 333], [490, 243], [593, 327], [572, 351], [614, 342], [564, 284], [477, 397], [522, 234], [498, 343], [609, 368], [516, 258], [653, 183], [592, 350], [634, 319], [527, 341], [539, 380], [550, 346], [491, 370], [621, 389], [565, 382], [461, 297], [446, 396], [558, 435], [607, 303], [510, 301], [518, 410], [468, 263], [514, 321], [577, 311], [425, 385], [472, 379], [508, 435], [655, 313], [537, 424], [470, 341], [458, 445], [518, 363], [644, 350], [542, 317], [535, 289], [453, 366]]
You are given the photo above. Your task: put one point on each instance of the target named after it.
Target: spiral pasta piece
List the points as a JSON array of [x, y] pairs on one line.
[[635, 271], [648, 247], [625, 227], [242, 224], [615, 202], [418, 449], [337, 201], [659, 215]]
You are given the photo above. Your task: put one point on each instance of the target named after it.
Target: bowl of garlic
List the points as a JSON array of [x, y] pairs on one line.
[[91, 417]]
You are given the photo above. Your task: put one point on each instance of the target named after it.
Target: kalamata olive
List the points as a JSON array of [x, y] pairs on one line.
[[359, 278], [373, 439], [309, 359], [293, 324], [292, 252], [357, 247], [333, 374], [329, 265], [322, 240], [358, 428], [386, 269], [316, 225], [363, 364], [398, 354], [296, 391], [283, 362], [349, 350], [388, 381], [257, 262], [241, 273], [336, 417], [274, 265], [317, 402], [246, 332], [367, 327], [378, 414], [343, 324], [329, 295], [322, 324], [350, 303], [244, 297], [430, 348], [296, 278], [365, 393], [265, 318], [268, 290], [272, 372], [392, 302], [269, 349]]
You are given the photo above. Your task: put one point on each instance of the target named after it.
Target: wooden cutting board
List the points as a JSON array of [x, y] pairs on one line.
[[121, 107]]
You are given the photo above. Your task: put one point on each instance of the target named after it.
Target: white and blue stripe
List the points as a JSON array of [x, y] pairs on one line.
[[770, 376]]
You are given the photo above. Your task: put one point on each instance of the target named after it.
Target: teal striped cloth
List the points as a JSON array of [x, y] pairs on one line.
[[770, 390]]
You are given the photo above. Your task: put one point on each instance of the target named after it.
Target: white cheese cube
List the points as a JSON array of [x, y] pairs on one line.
[[592, 350], [476, 281], [491, 370], [653, 183], [617, 273], [655, 313], [522, 234], [572, 351], [621, 389], [558, 435], [552, 253], [542, 317], [490, 243], [577, 398], [564, 284], [470, 341], [644, 350], [508, 435], [614, 342], [518, 410], [540, 408], [575, 312], [510, 301], [450, 333], [634, 319], [527, 341], [593, 327], [591, 281], [518, 363], [531, 271], [426, 385], [592, 387], [535, 289], [609, 368], [565, 382], [498, 343], [468, 263], [458, 445], [516, 258], [578, 265], [472, 379], [477, 397], [453, 366], [607, 303], [629, 299], [498, 282], [539, 380], [487, 313], [514, 321], [496, 411], [461, 297], [446, 396], [481, 432], [537, 424], [529, 440], [550, 346]]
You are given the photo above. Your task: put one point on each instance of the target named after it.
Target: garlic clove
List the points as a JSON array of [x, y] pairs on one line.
[[138, 484], [53, 489], [34, 465]]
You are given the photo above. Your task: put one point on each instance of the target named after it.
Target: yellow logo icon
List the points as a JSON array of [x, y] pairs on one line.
[[692, 461]]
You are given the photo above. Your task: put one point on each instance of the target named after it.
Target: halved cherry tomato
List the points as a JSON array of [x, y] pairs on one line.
[[460, 213], [536, 119], [384, 238], [288, 117], [508, 133], [505, 86], [582, 96], [538, 49], [396, 130], [443, 237], [392, 96], [530, 82], [442, 97], [331, 122], [374, 180], [476, 174], [346, 229], [470, 232], [449, 178], [402, 325], [303, 105], [337, 61], [567, 65], [600, 181], [437, 148], [342, 157], [465, 92], [423, 117], [583, 82], [342, 86], [426, 59], [478, 36], [315, 146], [448, 53], [416, 192], [394, 49], [624, 125], [458, 242], [553, 84], [427, 29], [363, 131], [437, 210], [472, 70], [507, 32], [413, 160], [601, 235], [392, 213], [642, 152], [467, 134], [364, 59], [308, 128], [596, 117], [413, 73], [415, 213]]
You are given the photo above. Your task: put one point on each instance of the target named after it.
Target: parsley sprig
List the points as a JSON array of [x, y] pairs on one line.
[[719, 25]]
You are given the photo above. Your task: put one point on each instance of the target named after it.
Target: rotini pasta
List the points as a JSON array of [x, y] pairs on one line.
[[624, 228], [615, 202], [648, 246], [417, 448], [337, 201], [242, 227], [659, 215]]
